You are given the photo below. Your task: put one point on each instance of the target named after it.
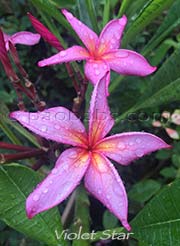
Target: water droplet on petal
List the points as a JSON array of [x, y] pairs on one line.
[[95, 65], [45, 190], [79, 22], [50, 182], [73, 154], [131, 62], [63, 53], [116, 35], [121, 146], [91, 36], [99, 192], [97, 72], [102, 41], [35, 198], [44, 129], [138, 140], [54, 171], [24, 119], [56, 126], [69, 15], [108, 197], [131, 143], [33, 117], [139, 153], [121, 54], [65, 167], [122, 21], [113, 41]]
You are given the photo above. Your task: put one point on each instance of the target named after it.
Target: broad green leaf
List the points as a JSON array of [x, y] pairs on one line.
[[144, 190], [150, 11], [158, 222], [16, 182], [169, 172], [171, 21], [162, 88]]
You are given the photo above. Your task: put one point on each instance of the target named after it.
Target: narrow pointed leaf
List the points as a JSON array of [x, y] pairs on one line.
[[151, 10]]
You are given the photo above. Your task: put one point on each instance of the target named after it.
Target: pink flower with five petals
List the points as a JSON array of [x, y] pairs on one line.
[[88, 156], [103, 53]]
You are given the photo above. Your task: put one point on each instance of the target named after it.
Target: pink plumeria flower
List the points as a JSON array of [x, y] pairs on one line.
[[88, 156], [26, 38], [101, 54]]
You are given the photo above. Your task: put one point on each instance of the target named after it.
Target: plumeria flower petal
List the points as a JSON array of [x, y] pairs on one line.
[[103, 51], [57, 124], [88, 155], [88, 37], [127, 147], [100, 119], [128, 62], [60, 182], [111, 35], [103, 182], [72, 54], [95, 70], [26, 38]]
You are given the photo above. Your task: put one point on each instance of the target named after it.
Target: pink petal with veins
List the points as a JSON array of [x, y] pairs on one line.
[[45, 33], [27, 38], [100, 119], [103, 182], [57, 124], [63, 179], [88, 37], [127, 147], [111, 35], [72, 54], [95, 70], [128, 62]]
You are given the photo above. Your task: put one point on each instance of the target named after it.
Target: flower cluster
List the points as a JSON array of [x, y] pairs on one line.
[[92, 148]]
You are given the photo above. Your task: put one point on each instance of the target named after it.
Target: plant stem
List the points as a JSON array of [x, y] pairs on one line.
[[16, 147], [4, 158]]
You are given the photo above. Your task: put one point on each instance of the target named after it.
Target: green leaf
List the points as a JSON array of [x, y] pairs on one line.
[[16, 182], [168, 172], [159, 221], [92, 14], [147, 14], [49, 8], [106, 12], [171, 21], [163, 88], [144, 190], [124, 5], [63, 3], [109, 220], [82, 218]]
